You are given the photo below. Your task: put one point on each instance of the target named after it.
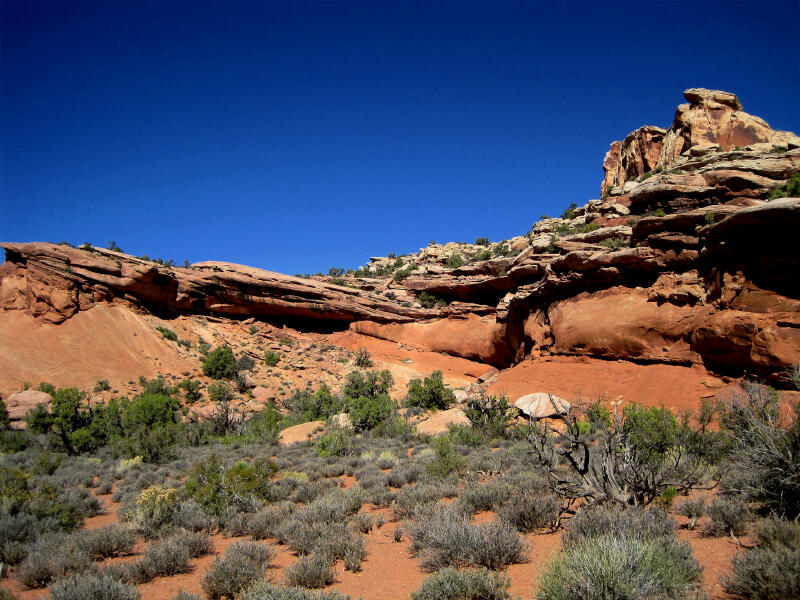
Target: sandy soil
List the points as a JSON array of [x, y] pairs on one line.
[[390, 572]]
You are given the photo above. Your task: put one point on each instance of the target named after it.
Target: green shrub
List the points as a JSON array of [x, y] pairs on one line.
[[482, 241], [432, 393], [92, 587], [427, 300], [366, 412], [452, 584], [312, 571], [168, 334], [454, 261], [569, 211], [38, 419], [370, 384], [614, 243], [362, 359], [790, 189], [322, 404], [148, 411], [215, 488], [272, 358], [445, 461], [490, 414], [337, 441], [659, 213], [220, 391], [220, 363]]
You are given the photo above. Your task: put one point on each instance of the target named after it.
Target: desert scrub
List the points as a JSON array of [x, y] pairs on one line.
[[623, 554], [451, 584], [622, 568], [528, 512], [51, 557], [635, 523], [162, 559], [443, 537], [772, 570], [265, 523], [363, 522], [155, 510], [263, 590], [312, 571], [196, 543], [112, 540], [693, 509], [480, 497], [92, 587], [728, 517], [242, 564]]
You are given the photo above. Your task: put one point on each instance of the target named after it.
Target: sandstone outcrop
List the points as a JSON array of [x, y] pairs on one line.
[[55, 281], [713, 121], [686, 261]]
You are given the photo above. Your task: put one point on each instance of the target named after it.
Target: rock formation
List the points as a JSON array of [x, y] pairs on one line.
[[712, 121], [685, 261]]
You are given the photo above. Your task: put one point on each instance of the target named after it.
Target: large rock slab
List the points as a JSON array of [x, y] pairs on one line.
[[20, 403], [55, 281], [542, 405]]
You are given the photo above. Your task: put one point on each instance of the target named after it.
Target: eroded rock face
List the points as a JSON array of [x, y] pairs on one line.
[[716, 119], [55, 281], [472, 337], [686, 261], [638, 153], [713, 121]]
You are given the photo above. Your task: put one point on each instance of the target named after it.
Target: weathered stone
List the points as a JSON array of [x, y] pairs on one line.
[[541, 405]]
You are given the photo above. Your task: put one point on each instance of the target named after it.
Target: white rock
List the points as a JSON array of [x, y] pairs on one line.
[[542, 404]]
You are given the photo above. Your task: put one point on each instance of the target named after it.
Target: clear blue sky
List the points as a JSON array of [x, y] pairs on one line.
[[296, 136]]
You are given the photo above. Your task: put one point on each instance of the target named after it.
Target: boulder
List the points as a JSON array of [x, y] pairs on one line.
[[20, 403], [541, 405]]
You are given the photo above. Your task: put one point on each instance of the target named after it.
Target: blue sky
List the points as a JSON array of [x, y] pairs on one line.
[[296, 136]]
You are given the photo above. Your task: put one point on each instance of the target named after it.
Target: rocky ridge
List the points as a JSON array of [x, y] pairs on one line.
[[686, 259]]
